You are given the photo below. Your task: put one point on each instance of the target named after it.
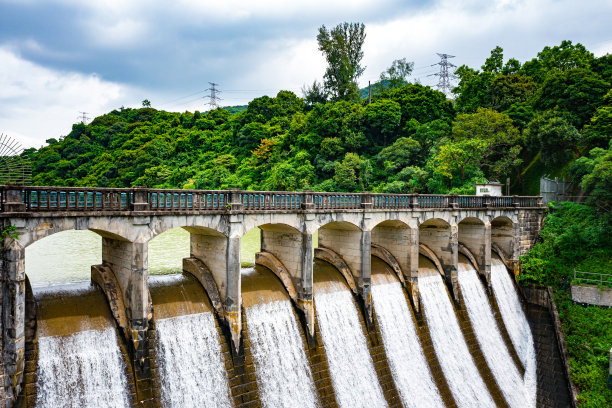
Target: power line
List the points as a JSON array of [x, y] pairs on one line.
[[83, 118], [213, 98], [444, 83]]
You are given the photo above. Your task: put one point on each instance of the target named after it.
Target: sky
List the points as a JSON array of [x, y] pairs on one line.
[[59, 58]]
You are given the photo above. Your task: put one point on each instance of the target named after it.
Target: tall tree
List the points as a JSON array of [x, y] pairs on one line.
[[396, 74], [341, 47]]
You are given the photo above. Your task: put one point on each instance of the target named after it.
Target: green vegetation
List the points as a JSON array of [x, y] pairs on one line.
[[577, 236]]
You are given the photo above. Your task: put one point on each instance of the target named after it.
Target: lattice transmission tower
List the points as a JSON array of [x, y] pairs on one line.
[[445, 76], [213, 97]]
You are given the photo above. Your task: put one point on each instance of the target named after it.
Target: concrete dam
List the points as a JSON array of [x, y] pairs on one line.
[[355, 300]]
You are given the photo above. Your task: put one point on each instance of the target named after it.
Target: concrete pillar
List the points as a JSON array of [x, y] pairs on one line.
[[13, 317], [414, 268], [305, 300], [486, 268], [233, 300], [366, 272], [451, 277], [129, 263]]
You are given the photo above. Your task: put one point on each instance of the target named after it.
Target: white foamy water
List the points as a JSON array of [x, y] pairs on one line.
[[490, 339], [82, 370], [463, 377], [281, 366], [350, 365], [191, 366], [516, 324], [406, 359]]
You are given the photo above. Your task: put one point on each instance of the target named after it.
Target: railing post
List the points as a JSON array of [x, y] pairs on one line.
[[515, 201], [308, 200], [13, 201], [366, 201], [486, 201], [539, 201], [453, 202], [236, 199], [141, 199], [414, 201]]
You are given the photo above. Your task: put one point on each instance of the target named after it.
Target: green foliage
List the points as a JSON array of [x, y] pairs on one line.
[[576, 236], [341, 47], [397, 73]]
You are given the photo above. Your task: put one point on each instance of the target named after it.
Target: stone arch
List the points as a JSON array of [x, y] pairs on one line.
[[399, 240], [503, 236], [496, 249], [436, 234], [214, 225], [429, 254], [334, 259], [474, 243], [387, 257], [36, 229], [465, 251]]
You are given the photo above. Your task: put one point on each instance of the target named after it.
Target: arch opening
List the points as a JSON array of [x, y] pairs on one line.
[[502, 236]]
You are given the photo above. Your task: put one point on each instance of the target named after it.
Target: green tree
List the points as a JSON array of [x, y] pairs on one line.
[[397, 73], [382, 118], [501, 141], [554, 136], [341, 47]]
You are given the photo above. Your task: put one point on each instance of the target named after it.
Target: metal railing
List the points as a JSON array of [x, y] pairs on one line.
[[593, 278], [15, 198]]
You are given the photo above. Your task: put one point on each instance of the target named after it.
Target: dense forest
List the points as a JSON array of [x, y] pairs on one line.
[[550, 115]]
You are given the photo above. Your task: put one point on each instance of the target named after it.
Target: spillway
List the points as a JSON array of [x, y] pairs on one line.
[[490, 339], [353, 376], [80, 363], [283, 373], [191, 367], [406, 358], [467, 387], [516, 324]]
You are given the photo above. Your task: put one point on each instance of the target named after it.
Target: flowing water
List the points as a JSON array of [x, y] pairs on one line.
[[191, 367], [516, 324], [406, 359], [353, 376], [191, 370], [457, 364], [490, 339], [79, 356], [283, 373]]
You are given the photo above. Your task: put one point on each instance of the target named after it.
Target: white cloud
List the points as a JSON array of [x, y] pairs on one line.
[[37, 103]]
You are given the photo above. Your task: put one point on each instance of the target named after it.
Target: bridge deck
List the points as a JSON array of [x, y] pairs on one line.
[[33, 199]]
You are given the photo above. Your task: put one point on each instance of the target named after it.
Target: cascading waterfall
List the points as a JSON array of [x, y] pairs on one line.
[[81, 370], [350, 365], [406, 359], [463, 377], [516, 324], [489, 337], [282, 369], [191, 367]]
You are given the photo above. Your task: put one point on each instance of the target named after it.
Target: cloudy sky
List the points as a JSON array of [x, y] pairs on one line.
[[62, 57]]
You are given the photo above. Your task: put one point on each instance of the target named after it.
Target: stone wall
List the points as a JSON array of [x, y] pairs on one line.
[[396, 239], [555, 388], [529, 226], [347, 244], [212, 250], [592, 295]]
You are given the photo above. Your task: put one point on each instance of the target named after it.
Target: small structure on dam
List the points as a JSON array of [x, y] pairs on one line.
[[352, 227]]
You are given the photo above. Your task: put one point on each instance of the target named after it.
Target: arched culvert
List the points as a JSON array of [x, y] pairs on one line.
[[475, 244], [503, 236]]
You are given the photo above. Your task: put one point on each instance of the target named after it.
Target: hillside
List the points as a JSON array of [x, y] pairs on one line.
[[508, 120]]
